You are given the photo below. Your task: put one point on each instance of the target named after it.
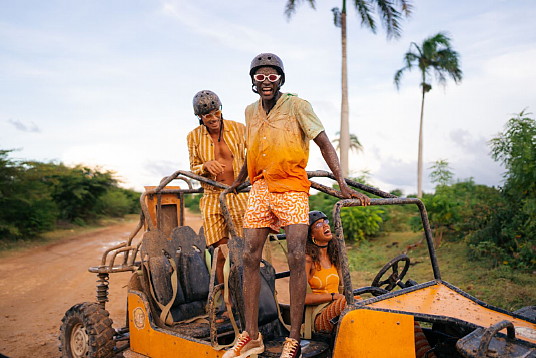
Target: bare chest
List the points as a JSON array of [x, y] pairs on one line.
[[222, 151]]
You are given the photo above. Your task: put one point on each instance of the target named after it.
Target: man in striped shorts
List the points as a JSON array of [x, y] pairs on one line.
[[279, 127], [217, 151]]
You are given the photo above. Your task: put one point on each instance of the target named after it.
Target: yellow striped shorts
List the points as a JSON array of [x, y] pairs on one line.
[[213, 221]]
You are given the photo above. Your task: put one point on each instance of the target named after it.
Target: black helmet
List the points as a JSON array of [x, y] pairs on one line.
[[270, 60], [314, 216], [205, 101]]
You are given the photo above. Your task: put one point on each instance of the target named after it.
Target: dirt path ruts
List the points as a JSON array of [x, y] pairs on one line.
[[38, 285]]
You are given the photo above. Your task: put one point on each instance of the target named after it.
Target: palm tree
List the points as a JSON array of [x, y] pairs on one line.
[[434, 55], [390, 13], [355, 144]]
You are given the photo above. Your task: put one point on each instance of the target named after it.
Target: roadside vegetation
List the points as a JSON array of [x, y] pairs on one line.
[[40, 197]]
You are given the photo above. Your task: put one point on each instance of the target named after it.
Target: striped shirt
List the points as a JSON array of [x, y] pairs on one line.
[[201, 149]]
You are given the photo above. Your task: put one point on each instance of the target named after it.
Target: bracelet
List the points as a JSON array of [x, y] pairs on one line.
[[332, 296]]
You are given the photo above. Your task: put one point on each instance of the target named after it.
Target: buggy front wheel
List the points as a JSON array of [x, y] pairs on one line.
[[86, 332]]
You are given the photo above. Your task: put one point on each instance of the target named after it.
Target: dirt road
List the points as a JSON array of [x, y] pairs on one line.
[[38, 285]]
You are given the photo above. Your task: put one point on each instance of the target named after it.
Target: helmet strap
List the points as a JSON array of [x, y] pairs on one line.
[[221, 128]]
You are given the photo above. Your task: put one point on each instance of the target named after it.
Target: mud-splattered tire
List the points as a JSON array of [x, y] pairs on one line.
[[86, 332]]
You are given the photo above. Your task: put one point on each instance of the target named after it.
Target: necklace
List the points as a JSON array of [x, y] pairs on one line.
[[320, 246]]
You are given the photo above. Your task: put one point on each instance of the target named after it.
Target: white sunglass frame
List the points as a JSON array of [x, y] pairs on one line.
[[210, 115], [266, 77]]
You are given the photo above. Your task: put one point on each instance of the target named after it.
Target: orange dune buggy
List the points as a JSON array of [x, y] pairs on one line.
[[173, 298]]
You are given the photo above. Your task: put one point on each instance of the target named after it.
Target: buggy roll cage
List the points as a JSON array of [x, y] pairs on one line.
[[130, 252]]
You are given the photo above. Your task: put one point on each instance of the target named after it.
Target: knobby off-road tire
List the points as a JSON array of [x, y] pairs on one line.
[[86, 332]]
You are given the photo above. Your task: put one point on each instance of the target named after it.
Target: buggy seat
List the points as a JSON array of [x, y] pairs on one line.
[[175, 273]]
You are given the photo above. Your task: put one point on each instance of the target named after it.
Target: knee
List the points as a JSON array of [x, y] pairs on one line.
[[296, 259], [251, 259]]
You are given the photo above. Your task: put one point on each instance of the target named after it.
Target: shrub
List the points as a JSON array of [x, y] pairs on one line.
[[512, 228]]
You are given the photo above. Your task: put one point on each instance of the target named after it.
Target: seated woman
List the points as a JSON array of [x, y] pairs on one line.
[[323, 275], [321, 267]]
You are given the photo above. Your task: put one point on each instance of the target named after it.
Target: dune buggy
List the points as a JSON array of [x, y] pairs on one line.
[[173, 297]]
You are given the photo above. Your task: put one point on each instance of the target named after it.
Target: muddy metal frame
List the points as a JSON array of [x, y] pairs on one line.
[[130, 252]]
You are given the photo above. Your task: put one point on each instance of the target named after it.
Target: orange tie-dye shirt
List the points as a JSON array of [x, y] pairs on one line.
[[278, 143]]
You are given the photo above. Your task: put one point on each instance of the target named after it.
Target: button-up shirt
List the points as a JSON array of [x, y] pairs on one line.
[[278, 143], [201, 149]]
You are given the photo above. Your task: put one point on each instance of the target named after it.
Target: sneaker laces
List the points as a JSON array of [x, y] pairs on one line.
[[243, 339], [289, 348]]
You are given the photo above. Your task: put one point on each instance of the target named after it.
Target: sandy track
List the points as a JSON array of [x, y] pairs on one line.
[[38, 285]]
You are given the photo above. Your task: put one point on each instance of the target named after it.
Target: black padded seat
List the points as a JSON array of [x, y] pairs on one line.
[[184, 250]]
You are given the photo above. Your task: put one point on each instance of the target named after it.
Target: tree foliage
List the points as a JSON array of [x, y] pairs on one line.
[[458, 210], [435, 55], [358, 223], [76, 191], [355, 144], [34, 196], [441, 172], [511, 235]]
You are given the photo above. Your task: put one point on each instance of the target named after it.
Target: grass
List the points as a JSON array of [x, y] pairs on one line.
[[9, 246], [499, 286]]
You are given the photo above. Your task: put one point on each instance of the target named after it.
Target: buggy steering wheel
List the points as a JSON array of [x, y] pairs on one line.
[[394, 278]]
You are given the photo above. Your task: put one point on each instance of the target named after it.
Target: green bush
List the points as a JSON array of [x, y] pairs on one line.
[[191, 201], [34, 196], [113, 203], [361, 223], [26, 208], [456, 211], [358, 223], [77, 190], [512, 228]]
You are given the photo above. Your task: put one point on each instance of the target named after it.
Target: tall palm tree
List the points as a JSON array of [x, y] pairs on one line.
[[355, 144], [436, 55], [390, 13]]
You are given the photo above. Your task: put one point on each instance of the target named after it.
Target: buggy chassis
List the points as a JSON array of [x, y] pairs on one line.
[[458, 325]]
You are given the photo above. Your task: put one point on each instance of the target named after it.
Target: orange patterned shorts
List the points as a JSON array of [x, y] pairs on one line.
[[275, 210]]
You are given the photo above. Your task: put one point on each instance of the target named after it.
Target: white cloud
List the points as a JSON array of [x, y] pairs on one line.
[[23, 127]]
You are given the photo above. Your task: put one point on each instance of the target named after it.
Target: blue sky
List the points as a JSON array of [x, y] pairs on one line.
[[110, 83]]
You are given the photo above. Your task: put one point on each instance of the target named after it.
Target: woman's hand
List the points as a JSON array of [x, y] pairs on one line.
[[337, 296]]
